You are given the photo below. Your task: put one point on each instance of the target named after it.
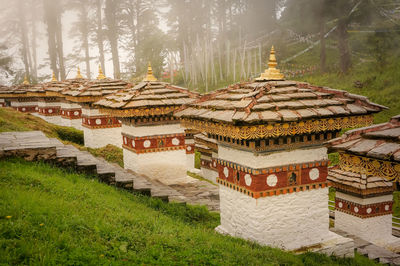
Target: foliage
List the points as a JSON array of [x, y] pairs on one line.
[[50, 216], [110, 152], [197, 159], [69, 134]]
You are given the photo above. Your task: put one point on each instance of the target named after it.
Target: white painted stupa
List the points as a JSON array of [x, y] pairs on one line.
[[272, 165], [153, 140]]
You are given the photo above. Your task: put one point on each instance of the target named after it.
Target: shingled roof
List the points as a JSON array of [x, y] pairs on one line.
[[147, 98], [380, 141], [269, 101], [94, 90]]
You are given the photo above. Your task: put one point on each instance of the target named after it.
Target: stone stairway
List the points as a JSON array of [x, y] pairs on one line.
[[35, 146]]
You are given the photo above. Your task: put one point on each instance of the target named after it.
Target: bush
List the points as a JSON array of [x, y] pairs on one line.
[[70, 134]]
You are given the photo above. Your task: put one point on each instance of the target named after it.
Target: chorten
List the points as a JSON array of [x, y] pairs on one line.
[[153, 141], [272, 165], [17, 97], [70, 112], [99, 129], [369, 164]]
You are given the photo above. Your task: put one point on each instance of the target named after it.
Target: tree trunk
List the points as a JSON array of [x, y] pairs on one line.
[[60, 47], [85, 37], [112, 32], [33, 42], [24, 38], [100, 38], [51, 32], [345, 60]]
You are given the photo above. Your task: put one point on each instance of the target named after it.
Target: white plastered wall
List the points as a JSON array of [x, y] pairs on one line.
[[250, 159], [288, 221], [164, 165], [377, 230], [209, 174], [142, 131], [18, 104], [100, 137]]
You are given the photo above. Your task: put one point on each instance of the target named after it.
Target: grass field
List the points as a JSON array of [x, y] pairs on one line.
[[50, 216]]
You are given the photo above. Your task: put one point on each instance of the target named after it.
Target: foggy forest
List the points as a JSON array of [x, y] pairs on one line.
[[203, 44]]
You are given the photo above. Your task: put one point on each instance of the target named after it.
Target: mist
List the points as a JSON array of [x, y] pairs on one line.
[[196, 43]]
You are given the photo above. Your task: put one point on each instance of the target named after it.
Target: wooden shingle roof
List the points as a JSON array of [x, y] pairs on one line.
[[276, 101], [146, 98], [380, 141]]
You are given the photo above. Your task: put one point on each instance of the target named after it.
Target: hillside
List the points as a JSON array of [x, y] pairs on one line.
[[380, 86], [49, 216]]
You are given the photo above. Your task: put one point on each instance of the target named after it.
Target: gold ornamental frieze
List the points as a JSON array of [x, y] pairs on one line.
[[278, 129], [139, 112], [369, 166]]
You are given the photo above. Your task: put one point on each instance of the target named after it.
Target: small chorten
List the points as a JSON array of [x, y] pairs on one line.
[[26, 81], [272, 73], [79, 76], [101, 75], [149, 76], [54, 79]]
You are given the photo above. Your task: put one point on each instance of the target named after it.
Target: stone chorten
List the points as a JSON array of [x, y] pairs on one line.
[[49, 104], [272, 166], [17, 98], [99, 129], [369, 163], [153, 141], [70, 112]]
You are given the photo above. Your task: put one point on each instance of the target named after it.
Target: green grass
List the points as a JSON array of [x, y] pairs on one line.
[[12, 120], [380, 86], [199, 177], [50, 216]]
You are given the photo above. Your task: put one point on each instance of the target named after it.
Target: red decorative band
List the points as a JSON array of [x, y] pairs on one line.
[[273, 192], [274, 178], [364, 211], [212, 165], [75, 113], [190, 148], [27, 109], [95, 122], [154, 143], [49, 110]]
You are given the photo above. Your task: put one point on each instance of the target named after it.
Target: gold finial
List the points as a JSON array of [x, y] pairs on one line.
[[272, 73], [26, 81], [101, 75], [78, 74], [149, 76], [53, 79]]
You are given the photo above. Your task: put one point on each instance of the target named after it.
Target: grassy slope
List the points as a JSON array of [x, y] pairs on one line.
[[11, 120], [379, 86], [66, 218]]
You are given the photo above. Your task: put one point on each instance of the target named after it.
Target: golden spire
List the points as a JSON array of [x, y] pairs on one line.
[[78, 74], [149, 76], [272, 73], [101, 75], [54, 79], [26, 81]]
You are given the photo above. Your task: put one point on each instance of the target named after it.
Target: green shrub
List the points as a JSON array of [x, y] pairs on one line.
[[70, 134], [197, 161]]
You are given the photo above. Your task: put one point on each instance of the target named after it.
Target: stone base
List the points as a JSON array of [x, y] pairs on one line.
[[55, 120], [289, 221], [164, 166], [209, 174], [377, 230], [190, 161], [97, 138], [75, 123]]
